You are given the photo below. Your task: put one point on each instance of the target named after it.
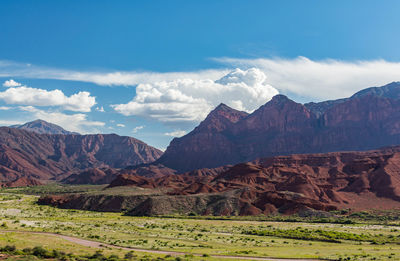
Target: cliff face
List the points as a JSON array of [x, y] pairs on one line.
[[45, 156], [368, 120]]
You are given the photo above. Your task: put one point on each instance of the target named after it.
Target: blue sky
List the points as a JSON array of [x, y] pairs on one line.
[[156, 68]]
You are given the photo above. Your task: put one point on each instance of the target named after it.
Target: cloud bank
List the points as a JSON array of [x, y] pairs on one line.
[[23, 95], [176, 97], [311, 79], [321, 80], [184, 100], [116, 78]]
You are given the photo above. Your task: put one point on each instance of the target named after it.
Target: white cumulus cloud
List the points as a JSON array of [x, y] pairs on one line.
[[11, 83], [120, 125], [189, 100], [177, 133], [23, 95]]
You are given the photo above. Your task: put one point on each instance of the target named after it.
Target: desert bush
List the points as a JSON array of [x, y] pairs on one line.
[[8, 249], [41, 252], [130, 255]]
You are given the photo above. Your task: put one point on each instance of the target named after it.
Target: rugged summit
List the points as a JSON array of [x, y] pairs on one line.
[[46, 156], [367, 120], [43, 127], [207, 144], [220, 119]]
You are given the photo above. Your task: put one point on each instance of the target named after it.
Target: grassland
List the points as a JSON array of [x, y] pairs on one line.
[[357, 236]]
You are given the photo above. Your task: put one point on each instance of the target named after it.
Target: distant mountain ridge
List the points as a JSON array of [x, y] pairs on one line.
[[369, 119], [391, 91], [49, 156], [43, 127]]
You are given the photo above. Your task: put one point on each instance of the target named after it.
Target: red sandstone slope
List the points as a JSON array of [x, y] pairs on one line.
[[22, 182], [368, 120], [45, 156], [359, 180], [95, 176]]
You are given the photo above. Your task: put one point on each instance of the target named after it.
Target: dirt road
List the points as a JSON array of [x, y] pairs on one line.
[[91, 243]]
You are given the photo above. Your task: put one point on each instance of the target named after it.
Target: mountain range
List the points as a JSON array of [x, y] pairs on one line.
[[284, 157], [367, 120], [26, 153]]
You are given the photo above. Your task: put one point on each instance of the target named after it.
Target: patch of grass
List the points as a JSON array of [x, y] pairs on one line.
[[324, 235], [53, 188], [43, 253]]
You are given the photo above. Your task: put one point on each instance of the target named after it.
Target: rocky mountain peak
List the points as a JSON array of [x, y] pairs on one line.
[[221, 117], [280, 98], [223, 110], [43, 127], [279, 105], [223, 107]]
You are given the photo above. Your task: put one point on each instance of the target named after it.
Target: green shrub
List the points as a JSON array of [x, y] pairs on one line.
[[8, 249], [41, 252]]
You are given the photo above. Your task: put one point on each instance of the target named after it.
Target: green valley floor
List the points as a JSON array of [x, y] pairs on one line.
[[84, 234]]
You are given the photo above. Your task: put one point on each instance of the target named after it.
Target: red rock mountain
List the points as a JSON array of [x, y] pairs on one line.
[[370, 119], [22, 182], [357, 180], [285, 184], [94, 176], [42, 127], [46, 156]]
